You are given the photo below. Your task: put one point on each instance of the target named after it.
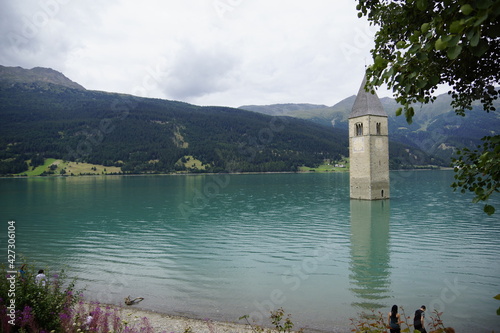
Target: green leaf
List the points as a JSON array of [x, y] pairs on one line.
[[466, 9], [415, 36], [474, 41], [409, 113], [414, 48], [454, 41], [425, 27], [483, 4], [422, 56], [447, 38], [497, 297], [440, 44], [481, 17], [421, 83], [422, 4], [489, 209], [401, 44], [399, 111], [456, 27], [390, 73], [498, 312], [481, 48], [434, 80], [470, 34], [379, 61], [453, 52]]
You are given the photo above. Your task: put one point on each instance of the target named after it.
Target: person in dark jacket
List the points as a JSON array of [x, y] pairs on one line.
[[418, 320]]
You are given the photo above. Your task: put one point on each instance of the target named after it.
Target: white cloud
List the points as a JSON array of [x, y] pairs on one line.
[[207, 52]]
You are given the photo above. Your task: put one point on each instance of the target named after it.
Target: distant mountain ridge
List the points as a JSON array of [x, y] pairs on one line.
[[281, 109], [436, 129], [38, 76], [45, 115]]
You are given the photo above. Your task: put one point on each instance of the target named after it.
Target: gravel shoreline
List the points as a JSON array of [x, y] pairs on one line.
[[168, 323], [162, 322]]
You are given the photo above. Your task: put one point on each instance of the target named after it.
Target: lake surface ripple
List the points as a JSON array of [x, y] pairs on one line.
[[222, 246]]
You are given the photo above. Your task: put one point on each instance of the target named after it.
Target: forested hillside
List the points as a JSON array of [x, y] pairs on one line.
[[149, 135], [45, 115]]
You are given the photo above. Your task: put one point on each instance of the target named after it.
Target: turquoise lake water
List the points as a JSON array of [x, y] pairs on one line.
[[222, 246]]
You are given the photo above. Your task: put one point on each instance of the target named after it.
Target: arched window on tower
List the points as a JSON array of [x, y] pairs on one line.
[[359, 129], [379, 131]]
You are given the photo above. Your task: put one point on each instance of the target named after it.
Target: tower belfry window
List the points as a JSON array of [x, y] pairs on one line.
[[359, 129], [378, 129]]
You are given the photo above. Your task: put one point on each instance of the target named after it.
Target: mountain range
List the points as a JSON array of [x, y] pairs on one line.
[[43, 114], [435, 129]]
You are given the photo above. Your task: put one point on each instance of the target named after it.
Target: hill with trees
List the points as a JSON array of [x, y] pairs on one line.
[[45, 115]]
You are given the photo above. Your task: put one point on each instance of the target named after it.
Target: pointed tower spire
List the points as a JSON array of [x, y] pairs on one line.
[[367, 104], [368, 148]]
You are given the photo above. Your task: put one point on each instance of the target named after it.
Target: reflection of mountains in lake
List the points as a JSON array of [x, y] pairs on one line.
[[370, 252]]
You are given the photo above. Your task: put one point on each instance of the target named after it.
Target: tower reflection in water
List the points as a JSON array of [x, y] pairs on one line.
[[370, 268]]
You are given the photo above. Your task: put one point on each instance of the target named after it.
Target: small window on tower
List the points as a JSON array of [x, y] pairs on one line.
[[359, 129], [378, 129]]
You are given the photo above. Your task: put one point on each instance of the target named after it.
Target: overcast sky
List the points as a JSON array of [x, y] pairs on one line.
[[205, 52]]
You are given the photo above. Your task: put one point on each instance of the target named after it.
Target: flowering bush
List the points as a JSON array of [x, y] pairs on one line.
[[96, 318], [37, 305], [55, 306]]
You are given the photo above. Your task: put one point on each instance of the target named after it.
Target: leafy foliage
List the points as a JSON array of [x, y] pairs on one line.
[[478, 171], [498, 298], [279, 321], [421, 44], [424, 43]]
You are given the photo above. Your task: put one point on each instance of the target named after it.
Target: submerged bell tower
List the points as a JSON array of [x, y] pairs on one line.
[[368, 148]]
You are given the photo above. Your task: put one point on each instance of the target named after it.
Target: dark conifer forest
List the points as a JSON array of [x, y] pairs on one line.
[[45, 115]]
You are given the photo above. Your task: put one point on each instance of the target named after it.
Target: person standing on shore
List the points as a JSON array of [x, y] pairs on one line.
[[393, 320], [41, 279], [418, 320]]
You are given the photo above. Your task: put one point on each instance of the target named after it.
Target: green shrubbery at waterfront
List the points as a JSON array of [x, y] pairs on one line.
[[27, 305]]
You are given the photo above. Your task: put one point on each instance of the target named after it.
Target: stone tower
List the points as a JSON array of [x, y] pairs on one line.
[[368, 148]]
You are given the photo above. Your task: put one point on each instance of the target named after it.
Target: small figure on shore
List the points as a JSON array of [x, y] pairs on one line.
[[41, 279], [419, 320], [393, 320], [88, 321], [130, 301], [21, 273]]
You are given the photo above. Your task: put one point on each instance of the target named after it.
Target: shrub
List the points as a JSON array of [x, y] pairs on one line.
[[55, 306], [38, 306], [280, 323]]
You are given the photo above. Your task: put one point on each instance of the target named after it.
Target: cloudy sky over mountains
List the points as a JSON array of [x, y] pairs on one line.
[[205, 52]]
